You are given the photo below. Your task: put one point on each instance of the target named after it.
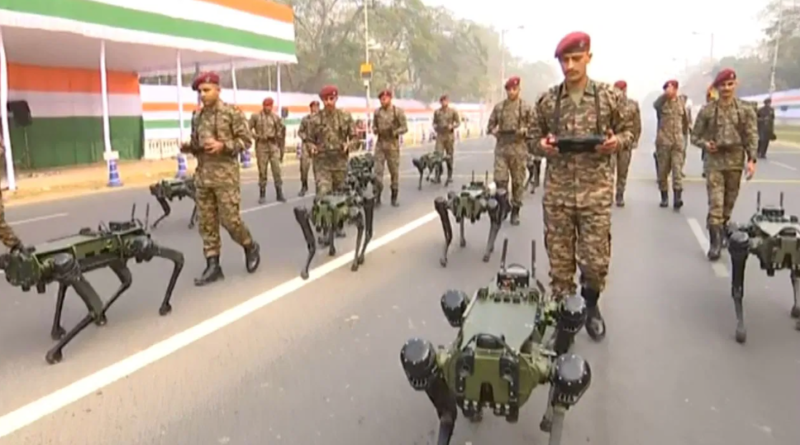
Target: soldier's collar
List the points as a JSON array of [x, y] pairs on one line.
[[588, 90]]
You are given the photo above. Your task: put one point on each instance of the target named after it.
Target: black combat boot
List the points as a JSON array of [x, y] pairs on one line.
[[212, 273], [664, 199], [514, 216], [715, 242], [303, 188], [595, 325], [262, 194], [252, 256], [279, 193], [449, 175], [677, 199], [537, 174], [395, 202], [378, 195], [620, 198]]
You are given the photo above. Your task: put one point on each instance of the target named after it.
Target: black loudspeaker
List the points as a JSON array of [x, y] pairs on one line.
[[20, 112]]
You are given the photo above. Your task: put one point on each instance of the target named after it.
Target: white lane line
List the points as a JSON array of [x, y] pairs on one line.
[[28, 414], [719, 268], [37, 219], [781, 164]]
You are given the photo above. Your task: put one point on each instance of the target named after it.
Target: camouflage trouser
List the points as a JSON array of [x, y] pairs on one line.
[[7, 235], [387, 154], [269, 156], [219, 205], [446, 143], [723, 189], [330, 172], [511, 161], [623, 162], [670, 160], [305, 161], [577, 237]]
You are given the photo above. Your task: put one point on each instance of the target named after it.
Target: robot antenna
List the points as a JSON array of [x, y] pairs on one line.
[[781, 201], [503, 256], [133, 212], [486, 180], [147, 217], [758, 201], [473, 176], [533, 258]]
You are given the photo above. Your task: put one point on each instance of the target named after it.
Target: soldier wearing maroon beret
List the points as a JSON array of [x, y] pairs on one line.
[[307, 147], [389, 124], [509, 123], [269, 133], [445, 122], [219, 135], [624, 153], [726, 129], [331, 131], [579, 187], [673, 128]]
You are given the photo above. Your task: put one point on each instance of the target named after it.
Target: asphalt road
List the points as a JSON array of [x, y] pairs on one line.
[[269, 359]]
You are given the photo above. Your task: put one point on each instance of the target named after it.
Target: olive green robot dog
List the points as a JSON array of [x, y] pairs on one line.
[[502, 353], [66, 261]]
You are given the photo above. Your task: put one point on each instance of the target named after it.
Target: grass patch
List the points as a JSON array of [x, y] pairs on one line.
[[788, 133]]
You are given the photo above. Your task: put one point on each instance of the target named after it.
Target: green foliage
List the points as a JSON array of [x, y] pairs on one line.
[[417, 51]]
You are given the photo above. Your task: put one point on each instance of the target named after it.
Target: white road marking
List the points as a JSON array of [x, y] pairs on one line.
[[37, 219], [781, 164], [719, 268], [28, 414]]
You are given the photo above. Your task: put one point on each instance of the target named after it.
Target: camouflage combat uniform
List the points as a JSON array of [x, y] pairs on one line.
[[306, 152], [389, 123], [7, 235], [673, 125], [510, 121], [218, 184], [445, 121], [579, 188], [623, 155], [270, 136], [732, 127], [766, 128], [331, 132]]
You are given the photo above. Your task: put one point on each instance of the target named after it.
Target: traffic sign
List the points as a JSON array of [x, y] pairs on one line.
[[366, 71]]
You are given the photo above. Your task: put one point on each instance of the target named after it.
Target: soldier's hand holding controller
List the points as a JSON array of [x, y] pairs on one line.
[[610, 145], [548, 144], [213, 146], [711, 147]]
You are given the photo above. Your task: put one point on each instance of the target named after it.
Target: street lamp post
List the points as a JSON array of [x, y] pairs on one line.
[[503, 33], [366, 55], [774, 68]]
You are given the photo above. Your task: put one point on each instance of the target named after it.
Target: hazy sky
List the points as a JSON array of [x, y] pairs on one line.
[[642, 42]]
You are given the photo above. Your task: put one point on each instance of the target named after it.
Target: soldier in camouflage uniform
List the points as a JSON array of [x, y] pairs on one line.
[[270, 137], [766, 127], [579, 187], [7, 235], [219, 135], [509, 123], [624, 153], [445, 122], [307, 149], [331, 131], [389, 123], [673, 125], [726, 130]]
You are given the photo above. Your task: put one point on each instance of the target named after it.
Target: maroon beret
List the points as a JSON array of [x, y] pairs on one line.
[[206, 77], [512, 82], [268, 102], [443, 97], [313, 103], [387, 93], [328, 91], [573, 42], [724, 76], [672, 82], [621, 84]]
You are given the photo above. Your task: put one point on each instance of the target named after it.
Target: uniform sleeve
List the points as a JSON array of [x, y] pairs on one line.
[[622, 124], [241, 134], [750, 133], [350, 127], [659, 103], [402, 123], [281, 135], [493, 119], [375, 122], [193, 146], [253, 122], [700, 128], [456, 119], [302, 132], [637, 124]]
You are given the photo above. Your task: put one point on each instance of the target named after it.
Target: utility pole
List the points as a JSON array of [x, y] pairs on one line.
[[772, 86]]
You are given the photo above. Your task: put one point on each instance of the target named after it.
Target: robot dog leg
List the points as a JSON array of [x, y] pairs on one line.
[[739, 250], [303, 218], [424, 373], [796, 293], [420, 166], [440, 204], [570, 379], [364, 224], [497, 208]]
